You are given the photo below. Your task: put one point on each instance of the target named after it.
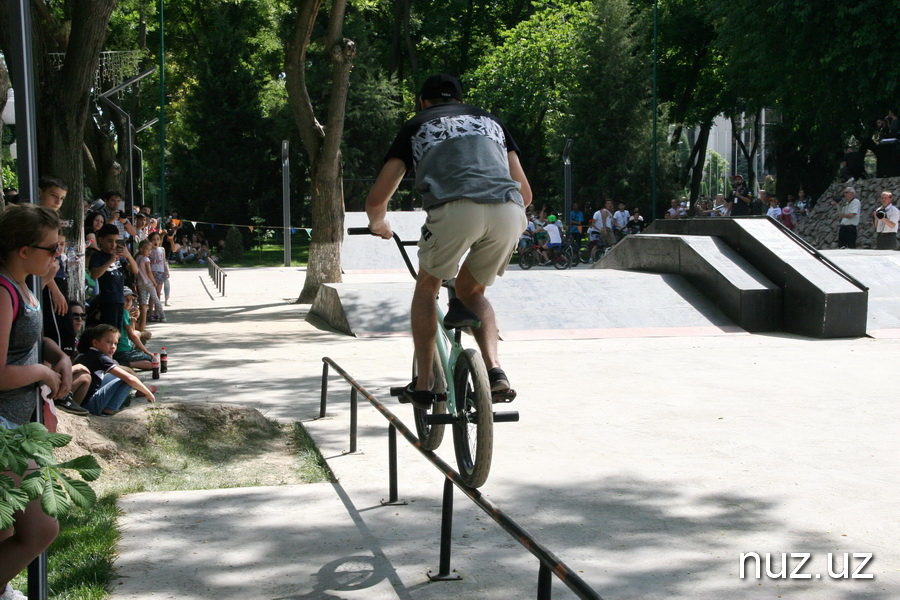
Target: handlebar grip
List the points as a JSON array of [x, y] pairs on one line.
[[358, 231]]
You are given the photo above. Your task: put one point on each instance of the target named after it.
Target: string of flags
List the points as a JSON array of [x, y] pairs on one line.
[[212, 225]]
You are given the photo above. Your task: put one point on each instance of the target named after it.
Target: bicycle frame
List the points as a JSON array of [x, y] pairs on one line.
[[448, 344], [448, 350], [468, 410]]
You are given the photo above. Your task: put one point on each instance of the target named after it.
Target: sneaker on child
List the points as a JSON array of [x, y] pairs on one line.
[[11, 594]]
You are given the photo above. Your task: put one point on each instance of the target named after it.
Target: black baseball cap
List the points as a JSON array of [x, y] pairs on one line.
[[441, 86]]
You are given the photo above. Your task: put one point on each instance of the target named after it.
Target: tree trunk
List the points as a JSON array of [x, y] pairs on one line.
[[322, 142], [62, 98], [700, 150]]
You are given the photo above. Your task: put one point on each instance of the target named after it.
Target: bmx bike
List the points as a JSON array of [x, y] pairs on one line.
[[463, 397]]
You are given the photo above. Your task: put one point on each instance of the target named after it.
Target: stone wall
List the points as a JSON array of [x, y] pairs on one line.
[[820, 226]]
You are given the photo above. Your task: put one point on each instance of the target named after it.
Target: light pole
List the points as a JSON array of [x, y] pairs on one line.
[[286, 193], [655, 102], [129, 140], [162, 108], [567, 184]]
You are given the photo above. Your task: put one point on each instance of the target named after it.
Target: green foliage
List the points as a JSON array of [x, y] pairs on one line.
[[585, 79], [57, 490], [10, 177], [227, 106], [234, 245]]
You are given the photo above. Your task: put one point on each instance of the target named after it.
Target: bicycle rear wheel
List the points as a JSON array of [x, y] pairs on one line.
[[562, 261], [473, 431], [431, 434], [527, 260]]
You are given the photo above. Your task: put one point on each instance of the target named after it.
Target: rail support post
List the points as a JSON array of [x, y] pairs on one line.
[[393, 499], [353, 419], [324, 390], [444, 573], [545, 581]]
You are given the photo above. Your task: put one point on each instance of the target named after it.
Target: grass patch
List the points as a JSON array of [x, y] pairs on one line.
[[81, 558], [271, 255], [173, 447]]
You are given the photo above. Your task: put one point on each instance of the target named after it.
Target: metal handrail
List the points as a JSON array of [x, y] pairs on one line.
[[217, 274], [818, 255], [550, 565]]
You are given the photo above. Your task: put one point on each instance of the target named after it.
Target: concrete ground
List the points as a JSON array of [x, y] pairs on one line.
[[647, 465]]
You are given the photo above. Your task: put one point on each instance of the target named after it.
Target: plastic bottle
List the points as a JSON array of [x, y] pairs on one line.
[[163, 361], [155, 363]]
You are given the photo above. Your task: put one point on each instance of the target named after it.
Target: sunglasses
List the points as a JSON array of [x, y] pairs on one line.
[[79, 316], [50, 249]]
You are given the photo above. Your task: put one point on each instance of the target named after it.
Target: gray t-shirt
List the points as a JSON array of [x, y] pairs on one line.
[[458, 151], [18, 405]]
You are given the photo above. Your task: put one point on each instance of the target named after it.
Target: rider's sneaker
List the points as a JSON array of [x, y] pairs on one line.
[[422, 399], [498, 380], [459, 315]]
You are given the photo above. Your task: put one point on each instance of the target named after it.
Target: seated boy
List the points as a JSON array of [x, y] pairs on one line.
[[110, 384]]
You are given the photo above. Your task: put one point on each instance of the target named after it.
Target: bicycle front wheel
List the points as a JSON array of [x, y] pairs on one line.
[[473, 430], [431, 434]]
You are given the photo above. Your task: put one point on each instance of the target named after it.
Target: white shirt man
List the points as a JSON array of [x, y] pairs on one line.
[[887, 216], [620, 218], [848, 213]]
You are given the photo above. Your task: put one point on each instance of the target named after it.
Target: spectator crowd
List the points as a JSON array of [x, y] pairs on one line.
[[57, 353], [607, 225]]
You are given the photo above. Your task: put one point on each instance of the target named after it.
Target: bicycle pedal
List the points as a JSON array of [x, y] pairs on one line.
[[398, 392], [510, 416], [503, 396], [441, 419]]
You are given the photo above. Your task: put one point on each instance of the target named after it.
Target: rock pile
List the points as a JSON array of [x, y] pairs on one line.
[[820, 226]]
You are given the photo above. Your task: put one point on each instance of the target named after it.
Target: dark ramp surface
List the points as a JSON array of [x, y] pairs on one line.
[[733, 284], [543, 304], [819, 300], [880, 270]]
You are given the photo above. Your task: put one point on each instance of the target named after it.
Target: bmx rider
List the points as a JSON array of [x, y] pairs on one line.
[[473, 187]]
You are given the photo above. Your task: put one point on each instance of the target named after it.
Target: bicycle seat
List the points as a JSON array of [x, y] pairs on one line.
[[459, 315]]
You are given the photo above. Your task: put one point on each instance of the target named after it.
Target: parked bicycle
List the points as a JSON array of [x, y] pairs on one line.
[[464, 399], [535, 255]]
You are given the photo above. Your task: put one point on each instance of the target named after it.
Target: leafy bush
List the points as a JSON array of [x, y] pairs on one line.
[[234, 246], [56, 489]]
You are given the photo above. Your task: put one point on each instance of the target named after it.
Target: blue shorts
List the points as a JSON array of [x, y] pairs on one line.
[[554, 246], [7, 424]]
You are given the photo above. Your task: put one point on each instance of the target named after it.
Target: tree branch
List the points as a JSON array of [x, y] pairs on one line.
[[311, 131]]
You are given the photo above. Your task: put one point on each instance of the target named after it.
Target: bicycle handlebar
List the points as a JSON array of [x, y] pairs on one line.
[[359, 231], [400, 246]]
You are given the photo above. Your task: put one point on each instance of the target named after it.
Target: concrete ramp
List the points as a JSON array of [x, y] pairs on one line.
[[880, 271], [542, 304], [366, 254], [739, 290], [819, 299]]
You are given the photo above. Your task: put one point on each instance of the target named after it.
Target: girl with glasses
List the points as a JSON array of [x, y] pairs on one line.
[[26, 235]]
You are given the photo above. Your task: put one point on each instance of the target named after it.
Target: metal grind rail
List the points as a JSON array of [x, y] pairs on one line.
[[216, 274], [818, 255], [550, 565]]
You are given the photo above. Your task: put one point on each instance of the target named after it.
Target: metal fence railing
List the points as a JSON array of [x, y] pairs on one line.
[[217, 274], [550, 565]]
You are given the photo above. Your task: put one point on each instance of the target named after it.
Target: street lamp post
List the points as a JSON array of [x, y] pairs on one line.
[[655, 102]]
